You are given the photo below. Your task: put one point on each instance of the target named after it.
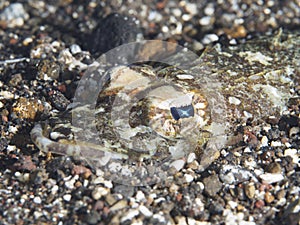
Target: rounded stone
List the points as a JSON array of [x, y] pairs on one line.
[[112, 31]]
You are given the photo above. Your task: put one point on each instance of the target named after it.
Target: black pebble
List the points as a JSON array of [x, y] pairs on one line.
[[287, 122], [114, 30]]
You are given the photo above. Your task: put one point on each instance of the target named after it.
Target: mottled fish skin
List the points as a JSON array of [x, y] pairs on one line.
[[254, 80], [246, 82]]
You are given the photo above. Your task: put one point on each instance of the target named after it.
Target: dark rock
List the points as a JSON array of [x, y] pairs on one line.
[[212, 185], [290, 215], [112, 31], [93, 217], [216, 207], [15, 79], [287, 163], [274, 167], [286, 122], [58, 100], [37, 177]]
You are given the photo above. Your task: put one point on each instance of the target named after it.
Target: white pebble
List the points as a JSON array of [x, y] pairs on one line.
[[108, 184], [181, 220], [197, 46], [176, 12], [276, 143], [287, 144], [209, 38], [75, 49], [155, 16], [178, 164], [264, 141], [145, 211], [234, 100], [27, 41], [70, 183], [186, 17], [191, 221], [130, 215], [201, 185], [209, 9], [140, 196], [233, 41], [188, 178], [98, 180], [160, 218], [247, 114], [55, 135], [191, 8], [18, 174], [250, 163], [295, 190], [191, 157], [54, 189], [247, 150], [292, 153], [37, 214], [37, 200], [232, 204], [281, 202], [200, 205], [173, 188], [85, 183], [204, 21], [159, 200], [237, 154], [11, 148], [98, 192], [224, 153], [271, 178], [115, 167], [267, 128], [165, 29], [26, 177], [67, 197], [185, 77], [12, 129]]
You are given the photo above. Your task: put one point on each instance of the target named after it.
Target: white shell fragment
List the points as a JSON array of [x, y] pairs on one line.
[[256, 56], [234, 100], [185, 77]]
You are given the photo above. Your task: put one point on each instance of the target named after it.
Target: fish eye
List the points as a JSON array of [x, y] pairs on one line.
[[182, 112]]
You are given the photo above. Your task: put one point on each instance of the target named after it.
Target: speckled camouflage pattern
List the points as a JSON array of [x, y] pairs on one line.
[[244, 83]]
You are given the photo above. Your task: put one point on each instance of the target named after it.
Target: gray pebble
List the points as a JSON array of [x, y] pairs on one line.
[[124, 190], [212, 185], [93, 217]]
